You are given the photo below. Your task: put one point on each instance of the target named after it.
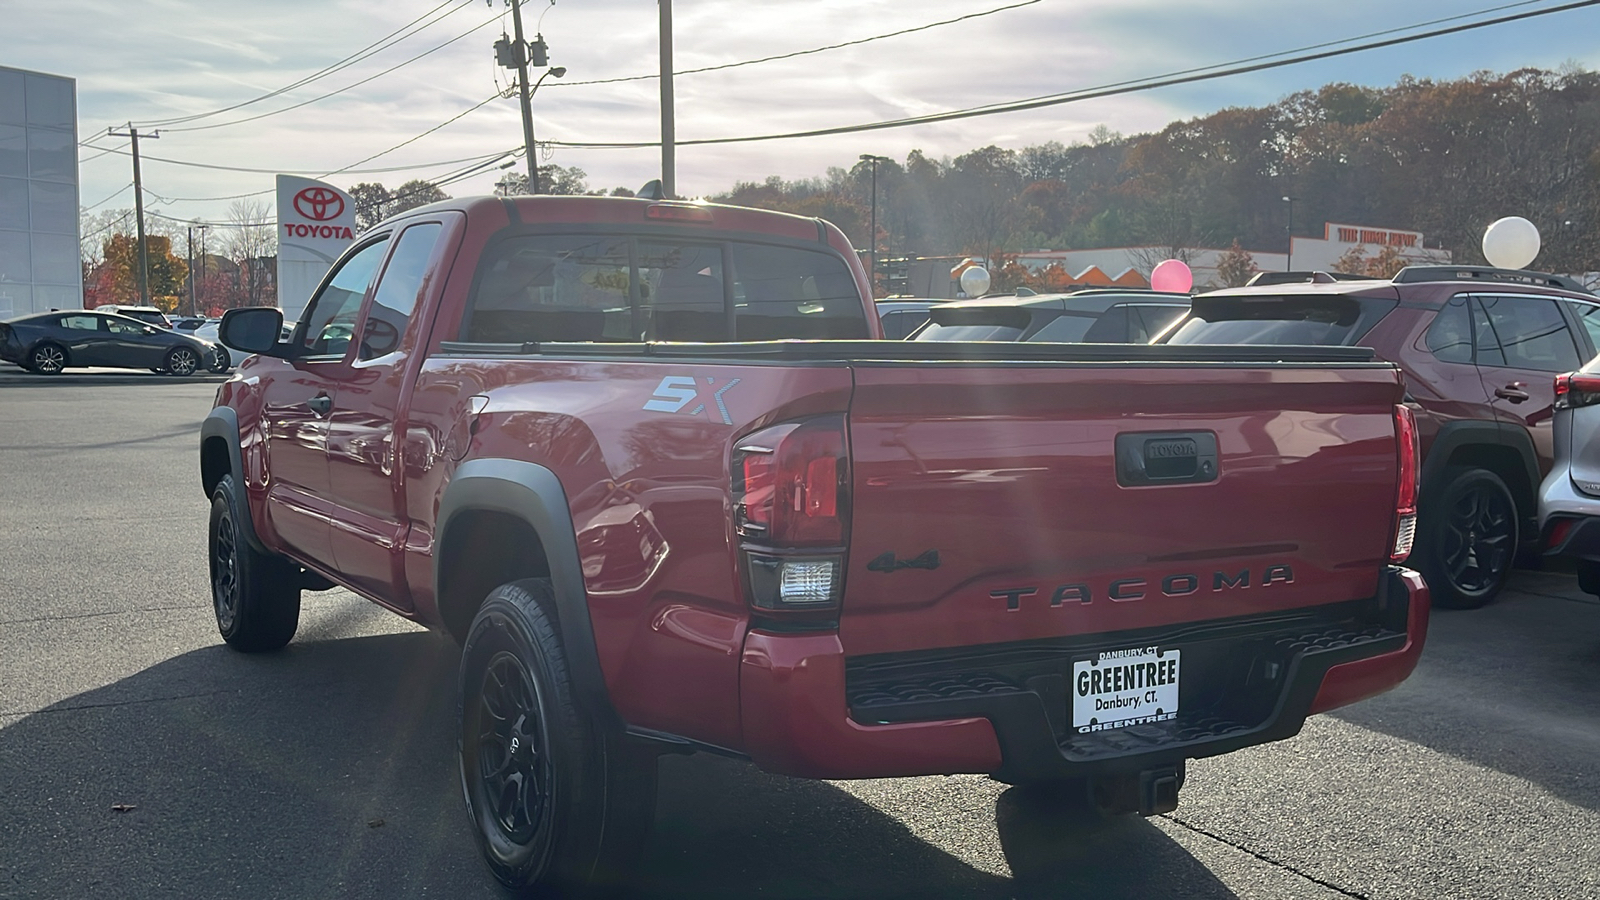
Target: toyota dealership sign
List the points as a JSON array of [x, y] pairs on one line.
[[316, 222]]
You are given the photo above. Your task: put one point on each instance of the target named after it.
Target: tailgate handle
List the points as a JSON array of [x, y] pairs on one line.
[[1147, 458]]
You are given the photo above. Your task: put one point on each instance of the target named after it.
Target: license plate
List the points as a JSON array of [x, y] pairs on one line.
[[1119, 688]]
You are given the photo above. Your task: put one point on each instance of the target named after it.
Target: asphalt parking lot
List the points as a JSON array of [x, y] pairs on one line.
[[141, 758]]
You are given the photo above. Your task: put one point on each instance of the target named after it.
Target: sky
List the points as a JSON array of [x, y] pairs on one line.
[[155, 61]]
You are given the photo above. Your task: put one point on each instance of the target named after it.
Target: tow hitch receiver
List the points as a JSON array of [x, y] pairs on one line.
[[1158, 790], [1148, 793]]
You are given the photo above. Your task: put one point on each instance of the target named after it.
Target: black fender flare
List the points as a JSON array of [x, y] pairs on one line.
[[223, 423], [1455, 435], [534, 494]]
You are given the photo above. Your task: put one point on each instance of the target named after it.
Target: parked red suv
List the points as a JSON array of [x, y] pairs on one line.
[[1479, 347]]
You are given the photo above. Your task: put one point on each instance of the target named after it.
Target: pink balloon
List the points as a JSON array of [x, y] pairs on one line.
[[1172, 275]]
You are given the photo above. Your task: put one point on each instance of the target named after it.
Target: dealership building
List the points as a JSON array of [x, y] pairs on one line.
[[39, 267]]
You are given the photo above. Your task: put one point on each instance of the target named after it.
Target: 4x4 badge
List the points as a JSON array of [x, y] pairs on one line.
[[928, 559]]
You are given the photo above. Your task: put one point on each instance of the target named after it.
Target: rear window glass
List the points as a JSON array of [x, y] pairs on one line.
[[618, 288], [937, 332], [1330, 321], [1067, 328]]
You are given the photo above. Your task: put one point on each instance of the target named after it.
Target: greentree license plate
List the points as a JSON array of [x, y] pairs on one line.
[[1118, 688]]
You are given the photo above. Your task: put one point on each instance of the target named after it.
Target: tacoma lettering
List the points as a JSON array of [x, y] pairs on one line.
[[1124, 590]]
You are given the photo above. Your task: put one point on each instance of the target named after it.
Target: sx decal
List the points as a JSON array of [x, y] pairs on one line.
[[678, 391]]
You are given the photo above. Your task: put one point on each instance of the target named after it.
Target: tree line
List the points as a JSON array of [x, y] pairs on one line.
[[1442, 157]]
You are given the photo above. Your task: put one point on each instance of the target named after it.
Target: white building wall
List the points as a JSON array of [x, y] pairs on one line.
[[39, 256]]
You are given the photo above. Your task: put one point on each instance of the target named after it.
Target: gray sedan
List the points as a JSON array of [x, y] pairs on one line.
[[46, 343]]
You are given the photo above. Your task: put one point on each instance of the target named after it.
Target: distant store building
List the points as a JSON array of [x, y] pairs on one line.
[[39, 267], [1306, 254]]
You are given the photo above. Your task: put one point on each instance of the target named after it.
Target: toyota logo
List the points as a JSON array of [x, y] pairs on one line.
[[319, 204]]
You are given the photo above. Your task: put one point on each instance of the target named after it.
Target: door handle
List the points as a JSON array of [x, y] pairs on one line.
[[1513, 392], [321, 404]]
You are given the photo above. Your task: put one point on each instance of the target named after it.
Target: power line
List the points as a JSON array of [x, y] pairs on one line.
[[340, 90], [113, 195], [751, 62], [371, 49], [314, 172], [1108, 90], [473, 108], [109, 225]]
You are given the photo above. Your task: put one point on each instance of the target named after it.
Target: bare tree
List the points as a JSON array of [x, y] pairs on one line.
[[252, 243]]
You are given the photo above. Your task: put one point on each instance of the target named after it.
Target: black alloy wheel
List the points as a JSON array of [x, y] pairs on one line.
[[255, 595], [560, 801], [1470, 539], [182, 361], [47, 359], [512, 750]]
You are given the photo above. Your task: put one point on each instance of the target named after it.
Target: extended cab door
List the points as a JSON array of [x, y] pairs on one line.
[[298, 399], [365, 481]]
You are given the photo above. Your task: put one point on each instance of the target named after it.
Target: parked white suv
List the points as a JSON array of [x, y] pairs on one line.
[[1569, 498]]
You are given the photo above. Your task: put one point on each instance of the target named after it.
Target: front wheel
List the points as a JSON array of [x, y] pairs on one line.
[[560, 802], [182, 361], [256, 595], [1468, 538]]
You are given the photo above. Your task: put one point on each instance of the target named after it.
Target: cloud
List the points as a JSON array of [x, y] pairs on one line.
[[159, 60]]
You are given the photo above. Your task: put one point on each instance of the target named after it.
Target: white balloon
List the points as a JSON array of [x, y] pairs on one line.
[[1511, 243], [975, 281]]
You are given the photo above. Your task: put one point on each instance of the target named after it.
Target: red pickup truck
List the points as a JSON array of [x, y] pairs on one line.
[[649, 463]]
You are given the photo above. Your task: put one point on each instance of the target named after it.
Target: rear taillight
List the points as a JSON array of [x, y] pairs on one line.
[[1576, 389], [1405, 492], [791, 507]]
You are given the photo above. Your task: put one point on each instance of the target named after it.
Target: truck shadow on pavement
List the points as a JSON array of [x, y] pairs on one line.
[[328, 770], [1509, 687]]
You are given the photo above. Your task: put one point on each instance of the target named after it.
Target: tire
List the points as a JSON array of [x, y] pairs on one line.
[[47, 359], [256, 596], [220, 361], [559, 801], [1468, 538], [182, 362]]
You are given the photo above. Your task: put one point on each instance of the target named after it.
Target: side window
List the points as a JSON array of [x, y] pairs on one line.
[[1589, 315], [1449, 338], [896, 325], [1156, 319], [680, 291], [786, 292], [1110, 328], [396, 296], [80, 323], [1531, 333], [1067, 328], [553, 288], [117, 326], [330, 321]]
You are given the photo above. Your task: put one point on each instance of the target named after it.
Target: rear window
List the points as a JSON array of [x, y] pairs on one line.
[[975, 323], [622, 288], [1321, 321]]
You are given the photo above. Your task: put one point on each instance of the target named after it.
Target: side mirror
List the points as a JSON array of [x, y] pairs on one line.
[[254, 330]]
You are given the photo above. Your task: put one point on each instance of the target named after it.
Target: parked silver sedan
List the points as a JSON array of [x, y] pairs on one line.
[[1569, 499]]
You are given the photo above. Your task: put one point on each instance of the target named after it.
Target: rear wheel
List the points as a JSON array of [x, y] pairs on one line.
[[559, 800], [220, 360], [182, 361], [47, 359], [255, 595], [1469, 538]]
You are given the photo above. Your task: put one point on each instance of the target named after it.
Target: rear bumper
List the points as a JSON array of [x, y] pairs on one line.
[[1004, 710]]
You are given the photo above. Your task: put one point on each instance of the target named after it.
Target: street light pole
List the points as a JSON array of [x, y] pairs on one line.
[[1288, 259]]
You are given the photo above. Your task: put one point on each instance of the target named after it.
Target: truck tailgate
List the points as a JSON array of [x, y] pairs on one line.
[[989, 504]]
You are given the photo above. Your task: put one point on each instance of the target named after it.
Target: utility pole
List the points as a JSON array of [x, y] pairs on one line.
[[520, 57], [669, 181], [194, 306], [138, 205]]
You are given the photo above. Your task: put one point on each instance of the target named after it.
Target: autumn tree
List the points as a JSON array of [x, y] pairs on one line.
[[1236, 266], [116, 279], [553, 179]]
